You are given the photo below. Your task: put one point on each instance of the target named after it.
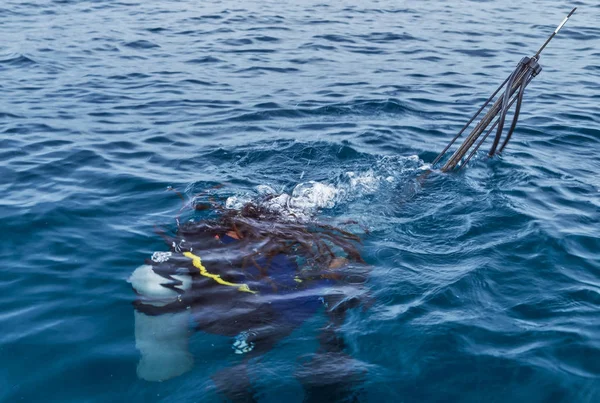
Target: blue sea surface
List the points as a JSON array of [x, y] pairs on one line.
[[486, 282]]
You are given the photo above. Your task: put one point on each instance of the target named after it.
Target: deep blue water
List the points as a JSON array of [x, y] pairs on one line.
[[486, 282]]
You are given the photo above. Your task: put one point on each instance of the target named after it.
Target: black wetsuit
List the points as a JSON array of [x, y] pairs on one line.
[[280, 302]]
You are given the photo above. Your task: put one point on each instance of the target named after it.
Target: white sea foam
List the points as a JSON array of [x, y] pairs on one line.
[[306, 198]]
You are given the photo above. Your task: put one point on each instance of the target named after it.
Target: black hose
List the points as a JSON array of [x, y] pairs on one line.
[[517, 76], [483, 138], [517, 110], [440, 155], [504, 110], [519, 99]]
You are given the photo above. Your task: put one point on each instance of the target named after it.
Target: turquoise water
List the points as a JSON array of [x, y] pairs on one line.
[[486, 282]]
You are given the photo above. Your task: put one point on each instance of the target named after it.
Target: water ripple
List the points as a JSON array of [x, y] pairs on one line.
[[485, 283]]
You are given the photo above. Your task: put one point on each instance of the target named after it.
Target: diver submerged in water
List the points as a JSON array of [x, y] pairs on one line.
[[252, 275]]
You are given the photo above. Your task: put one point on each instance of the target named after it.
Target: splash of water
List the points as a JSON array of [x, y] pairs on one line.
[[307, 198]]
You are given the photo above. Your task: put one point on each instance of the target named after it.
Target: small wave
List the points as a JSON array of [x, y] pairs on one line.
[[307, 60], [266, 38], [131, 76], [269, 69], [367, 50], [197, 82], [17, 60], [157, 30], [476, 52], [258, 51], [207, 17], [205, 59], [141, 44], [335, 38], [386, 37], [317, 46], [370, 107], [238, 42], [7, 115]]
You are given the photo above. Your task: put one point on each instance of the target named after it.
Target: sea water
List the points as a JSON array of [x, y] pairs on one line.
[[486, 283]]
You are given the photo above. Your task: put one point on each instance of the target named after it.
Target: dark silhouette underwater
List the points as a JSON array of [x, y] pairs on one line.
[[254, 276]]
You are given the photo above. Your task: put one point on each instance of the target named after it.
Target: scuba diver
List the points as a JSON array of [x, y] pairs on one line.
[[255, 276]]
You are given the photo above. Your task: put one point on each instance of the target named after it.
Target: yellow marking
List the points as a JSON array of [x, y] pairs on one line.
[[297, 279], [198, 264]]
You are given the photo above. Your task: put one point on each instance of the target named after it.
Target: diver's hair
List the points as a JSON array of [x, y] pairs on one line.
[[273, 233]]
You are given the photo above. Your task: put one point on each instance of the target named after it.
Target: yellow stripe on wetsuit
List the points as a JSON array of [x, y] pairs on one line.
[[198, 264]]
